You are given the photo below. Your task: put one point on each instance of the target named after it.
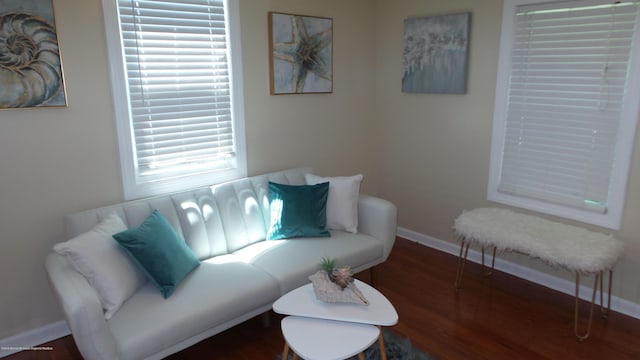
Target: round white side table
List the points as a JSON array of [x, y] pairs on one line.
[[319, 339]]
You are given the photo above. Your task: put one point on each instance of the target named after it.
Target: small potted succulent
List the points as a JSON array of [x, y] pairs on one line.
[[340, 275], [334, 283]]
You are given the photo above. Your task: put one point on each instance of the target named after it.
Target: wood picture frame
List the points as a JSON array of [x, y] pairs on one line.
[[436, 54], [30, 63], [300, 54]]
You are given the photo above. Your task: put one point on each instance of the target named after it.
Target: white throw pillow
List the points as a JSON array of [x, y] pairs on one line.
[[342, 205], [105, 264]]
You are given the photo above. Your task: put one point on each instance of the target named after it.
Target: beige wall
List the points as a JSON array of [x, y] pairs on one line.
[[437, 147], [432, 161], [334, 133], [58, 161], [54, 161]]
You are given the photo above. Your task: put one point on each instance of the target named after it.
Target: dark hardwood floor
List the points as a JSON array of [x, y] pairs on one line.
[[501, 317]]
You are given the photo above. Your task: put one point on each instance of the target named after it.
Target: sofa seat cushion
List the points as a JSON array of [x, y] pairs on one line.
[[220, 290], [291, 262]]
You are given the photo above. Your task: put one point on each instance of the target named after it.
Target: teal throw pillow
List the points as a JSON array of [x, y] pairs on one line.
[[298, 211], [159, 252]]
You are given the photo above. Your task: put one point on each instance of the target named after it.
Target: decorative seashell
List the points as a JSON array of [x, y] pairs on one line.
[[30, 69], [328, 291]]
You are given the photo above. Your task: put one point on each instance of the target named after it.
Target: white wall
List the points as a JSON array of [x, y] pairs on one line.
[[59, 161]]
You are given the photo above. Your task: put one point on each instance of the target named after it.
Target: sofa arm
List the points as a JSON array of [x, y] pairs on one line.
[[378, 217], [82, 309]]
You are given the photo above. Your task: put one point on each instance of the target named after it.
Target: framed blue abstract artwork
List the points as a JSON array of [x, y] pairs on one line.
[[435, 54], [30, 64], [300, 54]]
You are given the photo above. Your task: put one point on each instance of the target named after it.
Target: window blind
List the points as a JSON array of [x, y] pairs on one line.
[[566, 90], [177, 70]]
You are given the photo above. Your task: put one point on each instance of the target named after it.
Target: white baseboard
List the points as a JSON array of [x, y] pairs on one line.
[[568, 287], [30, 340]]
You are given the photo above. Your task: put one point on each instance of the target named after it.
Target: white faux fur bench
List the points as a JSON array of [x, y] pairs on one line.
[[560, 245]]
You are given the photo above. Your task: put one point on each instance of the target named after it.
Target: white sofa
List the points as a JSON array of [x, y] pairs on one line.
[[240, 275]]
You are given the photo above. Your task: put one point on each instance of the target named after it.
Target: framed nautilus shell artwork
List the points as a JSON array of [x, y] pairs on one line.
[[30, 63]]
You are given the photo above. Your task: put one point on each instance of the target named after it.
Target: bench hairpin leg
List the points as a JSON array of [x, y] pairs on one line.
[[462, 258], [493, 263], [493, 259], [483, 259], [577, 301], [603, 310]]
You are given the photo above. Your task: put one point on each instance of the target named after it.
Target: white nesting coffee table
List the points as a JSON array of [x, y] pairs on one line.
[[319, 339], [302, 302]]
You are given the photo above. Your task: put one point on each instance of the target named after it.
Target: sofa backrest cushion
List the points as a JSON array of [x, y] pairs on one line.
[[200, 222], [244, 205], [213, 220]]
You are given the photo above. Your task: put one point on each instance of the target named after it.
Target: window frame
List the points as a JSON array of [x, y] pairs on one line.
[[611, 219], [133, 186]]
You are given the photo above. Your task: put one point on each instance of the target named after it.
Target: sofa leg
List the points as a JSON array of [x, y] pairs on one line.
[[266, 319]]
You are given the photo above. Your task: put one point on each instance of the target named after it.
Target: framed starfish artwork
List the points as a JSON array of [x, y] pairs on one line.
[[300, 54]]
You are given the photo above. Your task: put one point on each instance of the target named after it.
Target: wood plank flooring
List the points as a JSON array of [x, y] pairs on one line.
[[501, 317]]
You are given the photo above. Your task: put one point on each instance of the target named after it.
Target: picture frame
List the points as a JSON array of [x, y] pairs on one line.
[[300, 54], [31, 72], [436, 54]]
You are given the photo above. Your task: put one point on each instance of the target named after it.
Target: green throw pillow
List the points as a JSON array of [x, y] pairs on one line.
[[298, 211], [159, 252]]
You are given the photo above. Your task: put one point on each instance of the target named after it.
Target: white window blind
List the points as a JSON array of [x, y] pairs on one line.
[[569, 70], [179, 94], [177, 89]]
